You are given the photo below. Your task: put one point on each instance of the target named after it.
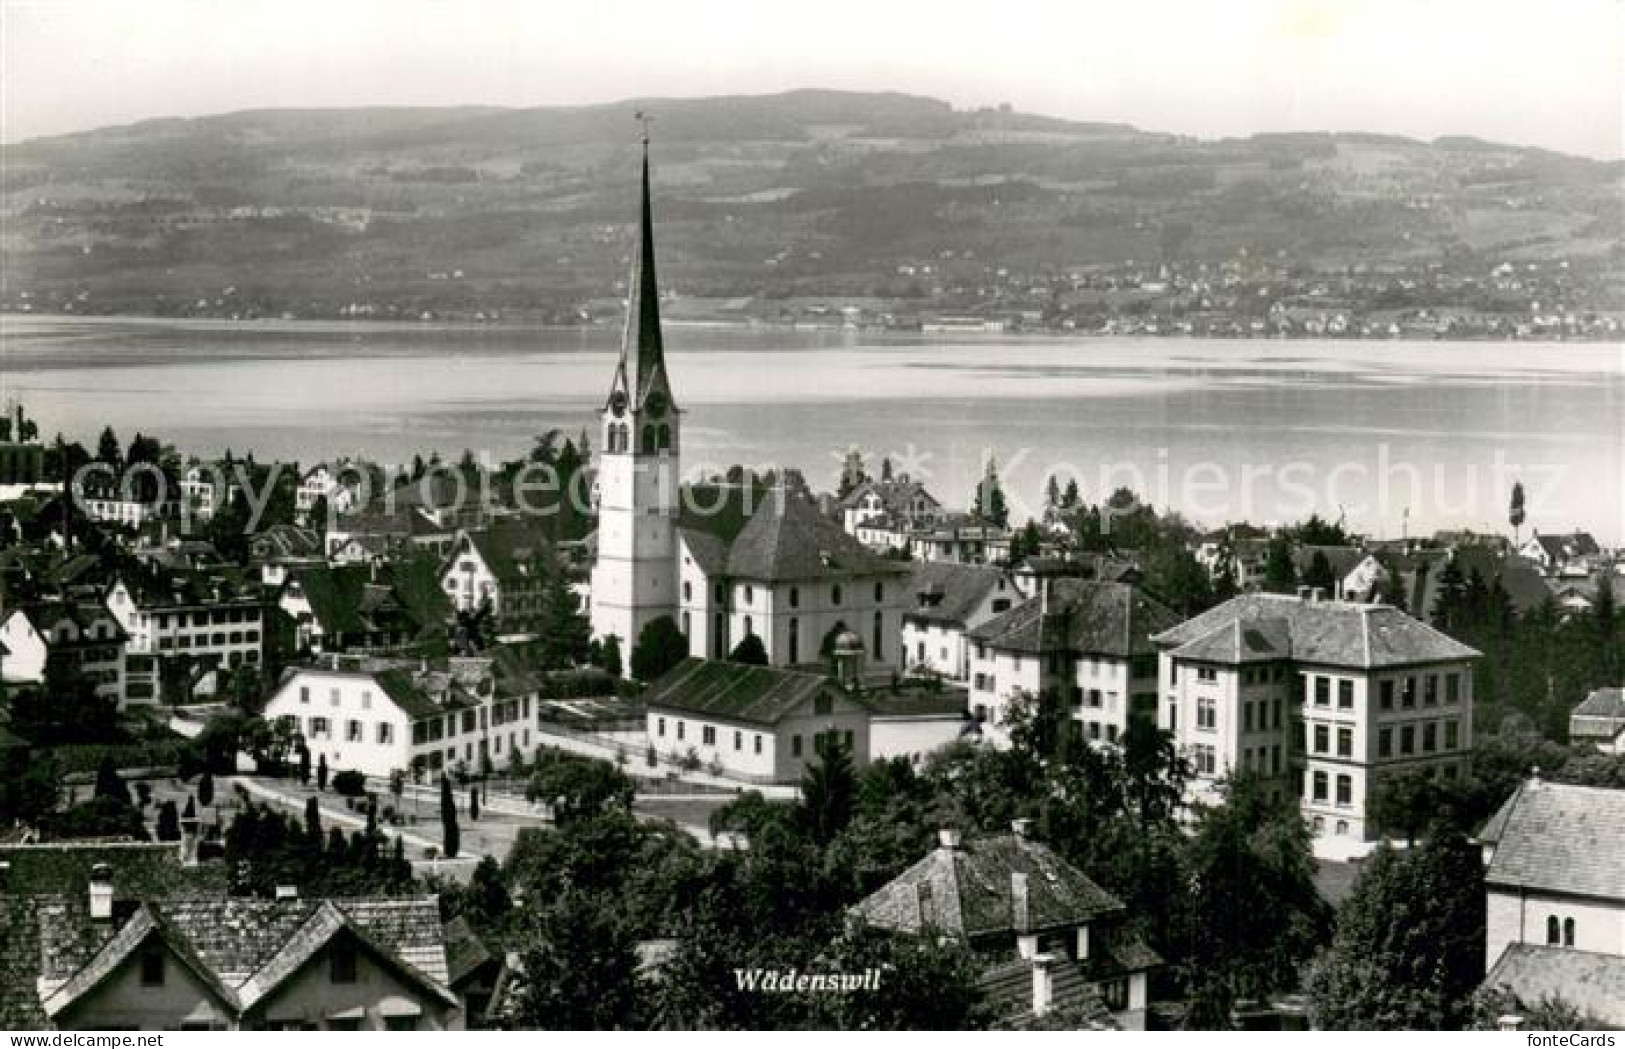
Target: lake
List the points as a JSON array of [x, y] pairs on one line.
[[1394, 435]]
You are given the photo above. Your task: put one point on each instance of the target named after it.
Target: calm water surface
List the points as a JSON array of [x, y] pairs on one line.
[[1395, 435]]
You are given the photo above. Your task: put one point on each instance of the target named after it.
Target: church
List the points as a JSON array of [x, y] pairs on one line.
[[723, 561]]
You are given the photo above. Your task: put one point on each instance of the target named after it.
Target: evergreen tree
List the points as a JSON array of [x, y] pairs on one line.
[[749, 651], [1515, 511], [1052, 496], [304, 764], [313, 825], [610, 656], [1320, 574], [566, 632], [109, 784], [1071, 498], [1450, 604], [169, 822], [205, 789], [1391, 589], [828, 790], [660, 647], [450, 837], [473, 803], [1280, 574], [108, 448], [886, 469], [579, 965], [321, 772]]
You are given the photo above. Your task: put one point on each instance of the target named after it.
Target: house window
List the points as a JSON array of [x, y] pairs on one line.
[[835, 594], [366, 701], [386, 734], [708, 735], [1452, 688], [1206, 674], [1206, 715], [1246, 717], [1321, 782], [688, 590], [660, 727], [1385, 743], [333, 697], [1430, 694], [1407, 739], [1568, 932], [1407, 698], [152, 966], [1430, 738], [1553, 932], [879, 638], [793, 630], [1323, 740], [739, 740], [1345, 790], [758, 742], [353, 732], [750, 593], [1386, 694], [795, 597], [1345, 695], [1345, 743], [1205, 759], [341, 962], [1452, 735], [679, 729], [1323, 692], [880, 592], [795, 746], [304, 693]]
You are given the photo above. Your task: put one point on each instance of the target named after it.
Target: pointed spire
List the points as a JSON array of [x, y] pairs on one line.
[[643, 357]]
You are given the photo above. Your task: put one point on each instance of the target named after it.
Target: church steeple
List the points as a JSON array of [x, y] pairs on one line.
[[643, 356]]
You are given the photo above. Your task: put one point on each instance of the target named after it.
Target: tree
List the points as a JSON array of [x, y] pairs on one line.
[[929, 984], [108, 448], [1026, 542], [566, 633], [321, 772], [304, 764], [579, 966], [828, 790], [1515, 511], [473, 804], [609, 656], [1320, 574], [451, 840], [313, 823], [886, 469], [1280, 574], [1450, 606], [109, 784], [205, 789], [1409, 949], [660, 647], [1255, 915], [169, 822], [1391, 589], [749, 651]]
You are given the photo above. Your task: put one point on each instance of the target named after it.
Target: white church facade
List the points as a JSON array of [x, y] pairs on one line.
[[723, 561]]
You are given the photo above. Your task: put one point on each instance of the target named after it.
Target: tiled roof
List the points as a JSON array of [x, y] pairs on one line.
[[788, 539], [945, 592], [1603, 703], [403, 691], [243, 948], [736, 691], [1241, 641], [1087, 616], [895, 496], [1341, 558], [1593, 983], [1562, 547], [515, 550], [335, 595], [1331, 633], [20, 1008], [1007, 991], [969, 892], [1557, 837]]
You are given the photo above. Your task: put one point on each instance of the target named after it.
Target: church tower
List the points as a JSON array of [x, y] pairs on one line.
[[634, 580]]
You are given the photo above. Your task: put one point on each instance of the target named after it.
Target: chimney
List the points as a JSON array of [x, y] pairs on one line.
[[1043, 983], [1020, 909], [948, 838], [189, 840], [101, 892]]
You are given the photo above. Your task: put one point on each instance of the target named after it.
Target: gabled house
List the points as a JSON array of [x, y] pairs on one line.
[[362, 607], [232, 963], [506, 568], [1051, 939], [950, 599], [903, 501], [1600, 721], [1572, 554], [83, 637], [1555, 898]]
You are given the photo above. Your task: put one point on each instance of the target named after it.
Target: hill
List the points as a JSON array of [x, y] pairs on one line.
[[886, 199]]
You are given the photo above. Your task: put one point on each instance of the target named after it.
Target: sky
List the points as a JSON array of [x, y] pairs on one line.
[[1547, 73]]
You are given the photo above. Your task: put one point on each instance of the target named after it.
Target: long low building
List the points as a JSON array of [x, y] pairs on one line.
[[763, 724]]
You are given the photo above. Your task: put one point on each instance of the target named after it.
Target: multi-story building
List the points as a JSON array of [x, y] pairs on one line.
[[506, 567], [902, 501], [84, 638], [1086, 641], [1555, 897], [212, 631], [1323, 697], [949, 600]]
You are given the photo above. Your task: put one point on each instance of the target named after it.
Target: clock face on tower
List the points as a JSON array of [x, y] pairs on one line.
[[656, 404], [617, 403]]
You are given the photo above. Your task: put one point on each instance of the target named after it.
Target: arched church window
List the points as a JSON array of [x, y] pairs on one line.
[[665, 437], [648, 439]]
